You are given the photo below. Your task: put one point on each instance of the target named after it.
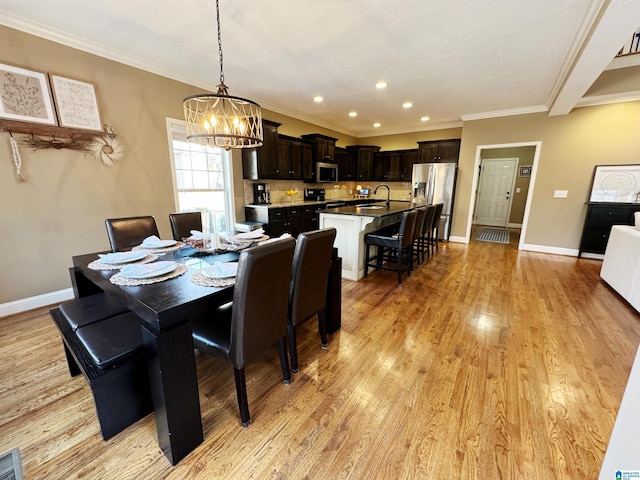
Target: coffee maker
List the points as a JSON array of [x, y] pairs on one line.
[[261, 194]]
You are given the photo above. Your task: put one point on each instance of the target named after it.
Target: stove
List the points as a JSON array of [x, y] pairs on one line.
[[314, 194]]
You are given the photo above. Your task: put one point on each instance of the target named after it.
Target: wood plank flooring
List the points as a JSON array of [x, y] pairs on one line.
[[488, 363]]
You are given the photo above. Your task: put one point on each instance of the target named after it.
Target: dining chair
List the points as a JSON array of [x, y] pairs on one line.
[[130, 231], [400, 246], [183, 222], [308, 290], [435, 226], [417, 232], [241, 330], [427, 231]]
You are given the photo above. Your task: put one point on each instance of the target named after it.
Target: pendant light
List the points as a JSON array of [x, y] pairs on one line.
[[220, 120]]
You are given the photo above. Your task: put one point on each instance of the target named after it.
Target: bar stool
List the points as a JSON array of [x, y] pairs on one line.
[[400, 244], [435, 226], [417, 232]]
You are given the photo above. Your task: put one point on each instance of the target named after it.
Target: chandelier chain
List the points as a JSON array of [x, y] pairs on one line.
[[219, 41]]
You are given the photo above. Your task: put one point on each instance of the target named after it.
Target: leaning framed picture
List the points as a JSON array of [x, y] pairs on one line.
[[25, 96], [616, 183], [76, 103]]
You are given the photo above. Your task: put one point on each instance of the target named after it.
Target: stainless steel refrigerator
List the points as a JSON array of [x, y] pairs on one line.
[[436, 183]]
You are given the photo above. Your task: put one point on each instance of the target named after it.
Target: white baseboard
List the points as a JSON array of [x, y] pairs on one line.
[[571, 252], [514, 225], [597, 256], [38, 301], [458, 239]]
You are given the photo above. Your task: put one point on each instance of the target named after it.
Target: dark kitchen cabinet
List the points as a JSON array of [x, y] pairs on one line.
[[409, 159], [388, 166], [439, 151], [290, 158], [364, 155], [309, 219], [262, 162], [598, 222], [346, 161], [323, 150], [276, 220]]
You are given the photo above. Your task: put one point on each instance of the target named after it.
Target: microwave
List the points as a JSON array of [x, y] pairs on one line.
[[326, 172]]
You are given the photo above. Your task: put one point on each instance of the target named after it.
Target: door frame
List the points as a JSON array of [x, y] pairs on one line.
[[532, 184], [511, 187]]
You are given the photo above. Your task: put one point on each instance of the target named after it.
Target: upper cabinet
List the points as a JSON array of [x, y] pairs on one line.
[[364, 160], [346, 161], [293, 154], [323, 150], [439, 151], [262, 162]]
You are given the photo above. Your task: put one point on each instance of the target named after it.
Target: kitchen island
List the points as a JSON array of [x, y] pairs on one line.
[[352, 223]]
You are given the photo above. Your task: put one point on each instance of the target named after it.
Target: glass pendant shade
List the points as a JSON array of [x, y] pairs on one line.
[[223, 121]]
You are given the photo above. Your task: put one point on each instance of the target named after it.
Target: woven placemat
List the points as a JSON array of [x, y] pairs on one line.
[[199, 279], [119, 279], [98, 265], [159, 250]]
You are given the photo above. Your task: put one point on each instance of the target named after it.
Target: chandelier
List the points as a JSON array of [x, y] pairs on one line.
[[220, 120]]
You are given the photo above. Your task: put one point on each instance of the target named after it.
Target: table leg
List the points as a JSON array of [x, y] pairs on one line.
[[174, 389]]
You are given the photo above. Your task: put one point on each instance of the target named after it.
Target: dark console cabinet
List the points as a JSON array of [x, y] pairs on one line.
[[598, 222]]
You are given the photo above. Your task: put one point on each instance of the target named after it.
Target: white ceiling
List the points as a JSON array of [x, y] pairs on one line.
[[455, 60]]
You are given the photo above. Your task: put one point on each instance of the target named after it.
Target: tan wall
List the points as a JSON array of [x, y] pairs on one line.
[[571, 146], [525, 158]]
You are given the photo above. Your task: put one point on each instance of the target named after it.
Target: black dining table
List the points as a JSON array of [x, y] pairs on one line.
[[168, 308]]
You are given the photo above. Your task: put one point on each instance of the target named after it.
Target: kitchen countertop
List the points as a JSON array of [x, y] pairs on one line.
[[305, 203], [394, 208]]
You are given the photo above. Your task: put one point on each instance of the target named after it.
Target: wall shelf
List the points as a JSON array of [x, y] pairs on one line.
[[53, 131]]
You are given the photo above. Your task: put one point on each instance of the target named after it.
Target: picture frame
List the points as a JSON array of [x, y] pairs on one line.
[[615, 184], [525, 171], [76, 103], [25, 96]]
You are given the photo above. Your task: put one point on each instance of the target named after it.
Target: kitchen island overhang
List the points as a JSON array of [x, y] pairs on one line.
[[352, 223]]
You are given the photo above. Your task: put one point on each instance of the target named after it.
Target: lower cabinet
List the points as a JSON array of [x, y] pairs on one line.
[[598, 222], [279, 220]]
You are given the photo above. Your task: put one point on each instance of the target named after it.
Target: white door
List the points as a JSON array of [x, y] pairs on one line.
[[495, 191]]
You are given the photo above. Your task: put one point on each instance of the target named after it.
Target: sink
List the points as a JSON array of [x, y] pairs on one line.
[[372, 207]]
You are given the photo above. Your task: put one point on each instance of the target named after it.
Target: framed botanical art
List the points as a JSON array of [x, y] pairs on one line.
[[25, 96], [76, 103]]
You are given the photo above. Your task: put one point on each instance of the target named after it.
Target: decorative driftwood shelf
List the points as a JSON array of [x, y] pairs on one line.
[[49, 130]]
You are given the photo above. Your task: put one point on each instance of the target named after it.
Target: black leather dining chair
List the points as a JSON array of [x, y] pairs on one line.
[[395, 247], [256, 318], [417, 232], [183, 222], [128, 232], [308, 290], [427, 232], [435, 226]]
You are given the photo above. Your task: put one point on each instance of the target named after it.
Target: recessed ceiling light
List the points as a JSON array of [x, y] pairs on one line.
[[353, 114], [377, 125], [424, 119], [407, 105], [381, 85], [318, 99]]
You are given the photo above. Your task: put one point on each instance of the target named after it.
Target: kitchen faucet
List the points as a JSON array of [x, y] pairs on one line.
[[388, 202]]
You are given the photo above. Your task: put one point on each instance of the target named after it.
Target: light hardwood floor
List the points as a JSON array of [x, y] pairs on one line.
[[488, 363]]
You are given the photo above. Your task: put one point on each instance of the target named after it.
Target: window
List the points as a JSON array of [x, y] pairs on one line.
[[201, 180]]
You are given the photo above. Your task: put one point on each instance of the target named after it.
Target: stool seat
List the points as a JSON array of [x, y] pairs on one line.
[[94, 308], [113, 339]]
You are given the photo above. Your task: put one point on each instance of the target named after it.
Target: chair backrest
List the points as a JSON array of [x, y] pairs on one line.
[[310, 273], [436, 215], [420, 215], [182, 223], [260, 299], [428, 219], [130, 231], [407, 225]]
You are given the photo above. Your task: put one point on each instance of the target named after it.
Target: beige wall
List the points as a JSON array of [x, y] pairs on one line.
[[571, 146]]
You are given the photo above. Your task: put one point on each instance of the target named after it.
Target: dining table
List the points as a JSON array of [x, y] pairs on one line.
[[168, 308]]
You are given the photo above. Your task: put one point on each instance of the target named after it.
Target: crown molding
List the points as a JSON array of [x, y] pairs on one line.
[[609, 98], [504, 113]]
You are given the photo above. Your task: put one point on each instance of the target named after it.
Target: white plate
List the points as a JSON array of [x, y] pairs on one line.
[[148, 270], [165, 244], [221, 270], [123, 257], [249, 235]]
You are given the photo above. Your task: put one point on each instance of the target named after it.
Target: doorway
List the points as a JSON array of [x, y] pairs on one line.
[[521, 202], [493, 199]]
